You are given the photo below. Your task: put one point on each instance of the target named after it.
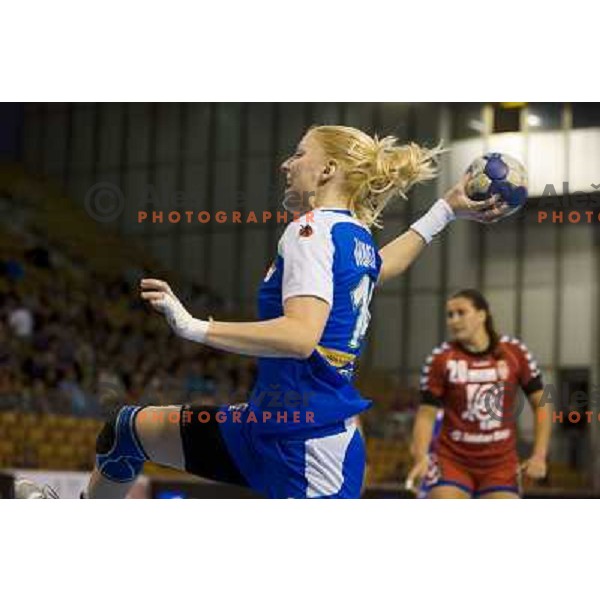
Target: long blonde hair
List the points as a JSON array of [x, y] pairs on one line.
[[375, 169]]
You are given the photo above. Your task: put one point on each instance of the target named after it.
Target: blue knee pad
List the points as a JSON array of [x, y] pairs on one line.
[[119, 453]]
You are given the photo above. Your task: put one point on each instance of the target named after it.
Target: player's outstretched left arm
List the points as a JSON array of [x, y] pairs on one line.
[[401, 252], [294, 335], [420, 445], [535, 466]]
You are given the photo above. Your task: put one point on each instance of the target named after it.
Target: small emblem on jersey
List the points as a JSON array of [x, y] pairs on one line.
[[270, 272], [503, 371], [306, 231], [456, 435]]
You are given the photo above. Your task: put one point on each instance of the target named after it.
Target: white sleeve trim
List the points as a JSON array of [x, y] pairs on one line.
[[307, 261]]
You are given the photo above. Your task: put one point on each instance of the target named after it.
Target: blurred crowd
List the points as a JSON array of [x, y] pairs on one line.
[[72, 341]]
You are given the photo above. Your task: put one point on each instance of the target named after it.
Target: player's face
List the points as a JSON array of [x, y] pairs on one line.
[[304, 170], [464, 320]]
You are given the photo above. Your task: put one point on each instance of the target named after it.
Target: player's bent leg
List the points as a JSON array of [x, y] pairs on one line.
[[159, 431], [207, 451], [133, 436], [448, 491]]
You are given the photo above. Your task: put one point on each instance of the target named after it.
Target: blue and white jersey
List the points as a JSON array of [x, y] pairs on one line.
[[328, 254]]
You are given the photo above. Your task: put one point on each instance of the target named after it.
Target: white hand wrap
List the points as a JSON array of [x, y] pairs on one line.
[[434, 220], [181, 322]]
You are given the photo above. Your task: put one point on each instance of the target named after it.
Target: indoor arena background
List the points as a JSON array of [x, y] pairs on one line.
[[75, 341]]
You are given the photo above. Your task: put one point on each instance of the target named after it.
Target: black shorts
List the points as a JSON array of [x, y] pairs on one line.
[[204, 448]]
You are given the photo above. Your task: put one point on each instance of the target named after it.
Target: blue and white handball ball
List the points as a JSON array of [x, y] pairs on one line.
[[501, 174]]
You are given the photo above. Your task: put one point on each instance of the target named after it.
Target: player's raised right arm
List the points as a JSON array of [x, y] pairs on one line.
[[401, 252]]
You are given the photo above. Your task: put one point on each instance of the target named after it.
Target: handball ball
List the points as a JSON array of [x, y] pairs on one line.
[[496, 173]]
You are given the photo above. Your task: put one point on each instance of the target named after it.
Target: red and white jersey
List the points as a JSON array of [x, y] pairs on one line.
[[479, 393]]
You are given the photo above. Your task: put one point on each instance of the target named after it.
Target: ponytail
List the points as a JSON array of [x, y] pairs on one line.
[[376, 169]]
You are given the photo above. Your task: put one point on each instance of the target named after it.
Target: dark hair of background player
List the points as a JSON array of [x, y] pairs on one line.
[[480, 303]]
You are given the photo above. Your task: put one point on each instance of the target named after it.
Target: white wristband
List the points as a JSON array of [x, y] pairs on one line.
[[182, 323], [434, 220]]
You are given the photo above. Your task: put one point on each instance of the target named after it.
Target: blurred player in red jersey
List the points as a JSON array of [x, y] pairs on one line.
[[475, 380]]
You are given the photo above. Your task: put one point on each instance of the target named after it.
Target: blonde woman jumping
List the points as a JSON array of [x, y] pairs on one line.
[[296, 436]]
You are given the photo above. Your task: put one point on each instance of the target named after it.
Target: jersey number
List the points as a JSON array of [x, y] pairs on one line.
[[361, 298]]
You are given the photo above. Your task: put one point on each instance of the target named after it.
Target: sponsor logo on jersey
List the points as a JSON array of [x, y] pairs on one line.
[[485, 438], [364, 254], [480, 438], [485, 405], [482, 375]]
